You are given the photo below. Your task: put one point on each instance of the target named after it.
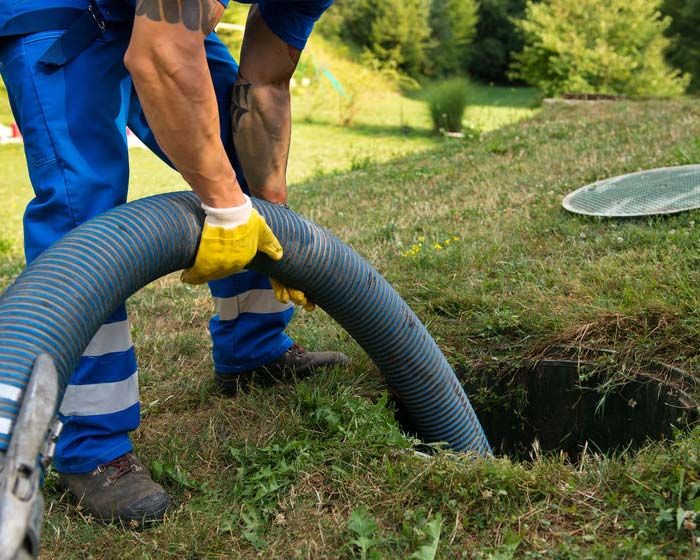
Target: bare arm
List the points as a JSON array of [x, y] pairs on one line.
[[167, 62], [261, 109]]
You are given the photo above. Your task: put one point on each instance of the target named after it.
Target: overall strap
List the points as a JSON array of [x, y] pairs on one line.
[[77, 37], [40, 20], [81, 27]]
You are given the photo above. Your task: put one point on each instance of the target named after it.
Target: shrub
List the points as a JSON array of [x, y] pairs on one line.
[[497, 39], [684, 33], [453, 27], [395, 32], [597, 46], [419, 37], [400, 32], [447, 102]]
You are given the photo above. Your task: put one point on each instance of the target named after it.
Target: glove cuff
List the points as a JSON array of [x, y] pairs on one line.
[[229, 218]]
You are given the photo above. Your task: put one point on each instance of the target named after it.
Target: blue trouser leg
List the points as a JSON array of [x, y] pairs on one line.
[[248, 329], [73, 120]]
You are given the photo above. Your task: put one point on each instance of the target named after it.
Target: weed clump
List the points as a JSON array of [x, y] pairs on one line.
[[446, 103], [5, 247]]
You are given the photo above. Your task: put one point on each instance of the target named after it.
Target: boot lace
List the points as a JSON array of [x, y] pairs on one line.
[[296, 349], [121, 465]]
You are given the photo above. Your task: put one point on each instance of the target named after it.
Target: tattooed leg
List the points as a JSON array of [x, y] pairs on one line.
[[261, 126], [240, 103], [195, 15], [261, 109]]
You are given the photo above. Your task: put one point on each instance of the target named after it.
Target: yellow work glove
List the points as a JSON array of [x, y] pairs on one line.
[[230, 239], [286, 294]]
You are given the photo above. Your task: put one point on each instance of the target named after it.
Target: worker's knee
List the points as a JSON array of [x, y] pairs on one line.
[[150, 56]]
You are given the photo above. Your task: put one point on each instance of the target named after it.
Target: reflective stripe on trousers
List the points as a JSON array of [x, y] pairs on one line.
[[73, 119]]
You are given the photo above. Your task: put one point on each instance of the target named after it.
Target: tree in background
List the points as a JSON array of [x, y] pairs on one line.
[[419, 37], [395, 32], [453, 27], [497, 39], [399, 33], [597, 46], [684, 32]]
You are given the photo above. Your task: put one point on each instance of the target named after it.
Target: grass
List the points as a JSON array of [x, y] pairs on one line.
[[385, 124], [383, 121], [373, 119], [319, 468], [447, 102]]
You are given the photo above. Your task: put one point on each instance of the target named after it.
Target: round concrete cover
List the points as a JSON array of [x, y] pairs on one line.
[[659, 191]]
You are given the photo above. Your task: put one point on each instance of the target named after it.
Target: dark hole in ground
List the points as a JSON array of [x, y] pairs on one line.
[[561, 405]]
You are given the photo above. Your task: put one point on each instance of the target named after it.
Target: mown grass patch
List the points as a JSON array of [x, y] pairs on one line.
[[316, 469], [319, 469], [387, 125]]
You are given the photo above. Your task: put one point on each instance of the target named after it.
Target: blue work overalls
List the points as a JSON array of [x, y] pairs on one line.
[[73, 113]]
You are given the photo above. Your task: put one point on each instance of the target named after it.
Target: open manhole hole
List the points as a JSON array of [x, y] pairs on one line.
[[559, 406]]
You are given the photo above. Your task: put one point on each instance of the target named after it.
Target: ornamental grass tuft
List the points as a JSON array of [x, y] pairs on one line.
[[447, 102]]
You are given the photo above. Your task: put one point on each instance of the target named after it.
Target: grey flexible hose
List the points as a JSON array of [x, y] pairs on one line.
[[61, 300]]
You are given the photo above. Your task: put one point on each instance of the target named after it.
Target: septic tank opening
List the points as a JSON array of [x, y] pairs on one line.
[[562, 406]]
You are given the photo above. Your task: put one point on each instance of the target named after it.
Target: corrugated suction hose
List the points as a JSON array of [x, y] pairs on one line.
[[61, 300]]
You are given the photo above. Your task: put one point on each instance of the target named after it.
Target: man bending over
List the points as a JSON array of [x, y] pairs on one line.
[[78, 72]]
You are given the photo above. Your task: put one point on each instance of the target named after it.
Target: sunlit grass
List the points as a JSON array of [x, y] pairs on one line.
[[304, 470], [385, 125], [472, 235]]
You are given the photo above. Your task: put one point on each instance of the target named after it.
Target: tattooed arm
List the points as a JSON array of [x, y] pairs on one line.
[[261, 110], [167, 62]]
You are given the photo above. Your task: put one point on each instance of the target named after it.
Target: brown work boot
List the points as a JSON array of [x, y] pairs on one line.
[[120, 490], [294, 363]]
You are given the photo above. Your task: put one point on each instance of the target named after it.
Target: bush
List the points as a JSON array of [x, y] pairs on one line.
[[597, 46], [419, 37], [400, 33], [453, 27], [395, 32], [447, 102], [684, 33], [497, 39]]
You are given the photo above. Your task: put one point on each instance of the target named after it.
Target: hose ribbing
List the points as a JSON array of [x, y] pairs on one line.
[[59, 302]]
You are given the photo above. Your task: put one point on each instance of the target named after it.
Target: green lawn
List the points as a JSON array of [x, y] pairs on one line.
[[319, 468], [386, 125]]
